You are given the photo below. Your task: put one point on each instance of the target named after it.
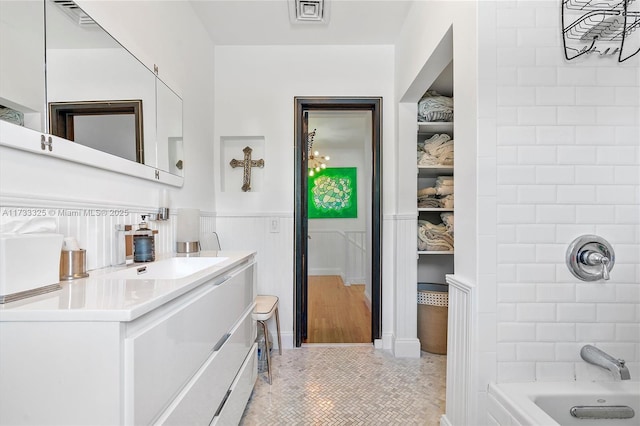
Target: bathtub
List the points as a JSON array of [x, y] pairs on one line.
[[550, 403]]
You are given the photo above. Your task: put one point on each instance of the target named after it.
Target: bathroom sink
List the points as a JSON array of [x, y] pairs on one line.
[[167, 269]]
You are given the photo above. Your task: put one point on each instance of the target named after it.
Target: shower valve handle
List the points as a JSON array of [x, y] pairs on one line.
[[590, 258], [593, 258]]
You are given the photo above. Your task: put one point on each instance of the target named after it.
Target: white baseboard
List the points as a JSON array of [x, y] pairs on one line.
[[406, 348], [387, 341], [287, 340], [326, 271], [444, 421]]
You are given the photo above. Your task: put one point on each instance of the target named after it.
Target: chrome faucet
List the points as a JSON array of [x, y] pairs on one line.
[[596, 356]]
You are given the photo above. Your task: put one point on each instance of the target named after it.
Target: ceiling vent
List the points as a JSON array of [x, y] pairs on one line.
[[72, 10], [309, 11]]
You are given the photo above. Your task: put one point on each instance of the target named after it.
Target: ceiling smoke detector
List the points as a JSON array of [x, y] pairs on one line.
[[308, 11]]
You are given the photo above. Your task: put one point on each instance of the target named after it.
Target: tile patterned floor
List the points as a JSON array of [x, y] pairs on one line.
[[348, 385]]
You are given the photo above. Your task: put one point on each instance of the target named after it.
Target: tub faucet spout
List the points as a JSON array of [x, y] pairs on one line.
[[596, 356]]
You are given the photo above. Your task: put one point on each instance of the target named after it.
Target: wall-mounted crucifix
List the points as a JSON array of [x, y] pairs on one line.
[[247, 164]]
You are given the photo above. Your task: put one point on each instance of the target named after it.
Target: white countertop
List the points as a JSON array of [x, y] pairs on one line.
[[98, 298]]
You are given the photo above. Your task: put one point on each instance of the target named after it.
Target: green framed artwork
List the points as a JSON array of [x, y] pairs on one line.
[[333, 194]]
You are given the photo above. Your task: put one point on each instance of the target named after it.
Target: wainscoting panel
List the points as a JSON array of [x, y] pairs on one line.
[[461, 336], [93, 224], [337, 252], [356, 257], [406, 343]]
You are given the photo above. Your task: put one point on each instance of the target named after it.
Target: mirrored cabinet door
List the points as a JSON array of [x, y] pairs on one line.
[[169, 130], [99, 94], [22, 79], [86, 88]]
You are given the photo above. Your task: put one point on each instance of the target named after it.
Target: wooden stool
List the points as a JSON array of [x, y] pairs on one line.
[[266, 306]]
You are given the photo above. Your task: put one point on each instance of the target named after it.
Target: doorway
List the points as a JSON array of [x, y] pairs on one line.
[[370, 183]]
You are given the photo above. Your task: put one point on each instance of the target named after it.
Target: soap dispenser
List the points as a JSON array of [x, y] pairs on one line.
[[143, 243]]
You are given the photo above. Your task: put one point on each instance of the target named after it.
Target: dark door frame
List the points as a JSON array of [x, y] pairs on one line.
[[302, 106], [61, 117]]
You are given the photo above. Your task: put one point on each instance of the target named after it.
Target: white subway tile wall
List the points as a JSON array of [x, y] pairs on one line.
[[568, 163]]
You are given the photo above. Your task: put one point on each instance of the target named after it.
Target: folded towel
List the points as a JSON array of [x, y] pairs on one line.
[[444, 190], [426, 191], [437, 150], [447, 220], [436, 141], [444, 180], [439, 196], [446, 202], [433, 237], [435, 107], [29, 225], [429, 202], [444, 185]]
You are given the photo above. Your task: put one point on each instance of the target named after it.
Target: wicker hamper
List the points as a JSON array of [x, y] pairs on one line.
[[433, 301]]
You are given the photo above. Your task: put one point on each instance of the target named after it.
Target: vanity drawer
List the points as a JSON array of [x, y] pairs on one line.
[[197, 402], [164, 351], [231, 411]]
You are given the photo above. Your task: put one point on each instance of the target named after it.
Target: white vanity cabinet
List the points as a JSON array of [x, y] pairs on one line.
[[190, 361]]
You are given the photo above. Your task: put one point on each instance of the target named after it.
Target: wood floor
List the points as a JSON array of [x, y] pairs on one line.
[[337, 313]]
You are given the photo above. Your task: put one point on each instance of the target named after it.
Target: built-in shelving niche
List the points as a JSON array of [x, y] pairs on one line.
[[432, 266]]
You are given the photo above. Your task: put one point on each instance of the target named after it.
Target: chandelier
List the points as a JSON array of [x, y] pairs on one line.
[[316, 161]]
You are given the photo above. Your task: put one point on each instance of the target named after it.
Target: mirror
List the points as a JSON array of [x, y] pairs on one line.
[[101, 96], [92, 87], [22, 90], [169, 146]]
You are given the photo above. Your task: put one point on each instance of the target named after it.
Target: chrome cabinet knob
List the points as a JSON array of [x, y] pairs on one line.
[[590, 258]]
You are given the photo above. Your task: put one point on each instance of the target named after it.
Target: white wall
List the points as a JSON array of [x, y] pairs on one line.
[[36, 180], [430, 25], [255, 88]]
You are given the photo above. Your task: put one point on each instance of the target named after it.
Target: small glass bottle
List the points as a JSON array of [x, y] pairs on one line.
[[144, 243]]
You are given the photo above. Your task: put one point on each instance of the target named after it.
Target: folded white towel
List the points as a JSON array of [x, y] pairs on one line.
[[433, 237], [444, 185], [436, 141], [446, 202], [447, 220], [444, 180], [29, 225], [429, 202], [444, 190], [438, 150], [435, 107], [426, 191]]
